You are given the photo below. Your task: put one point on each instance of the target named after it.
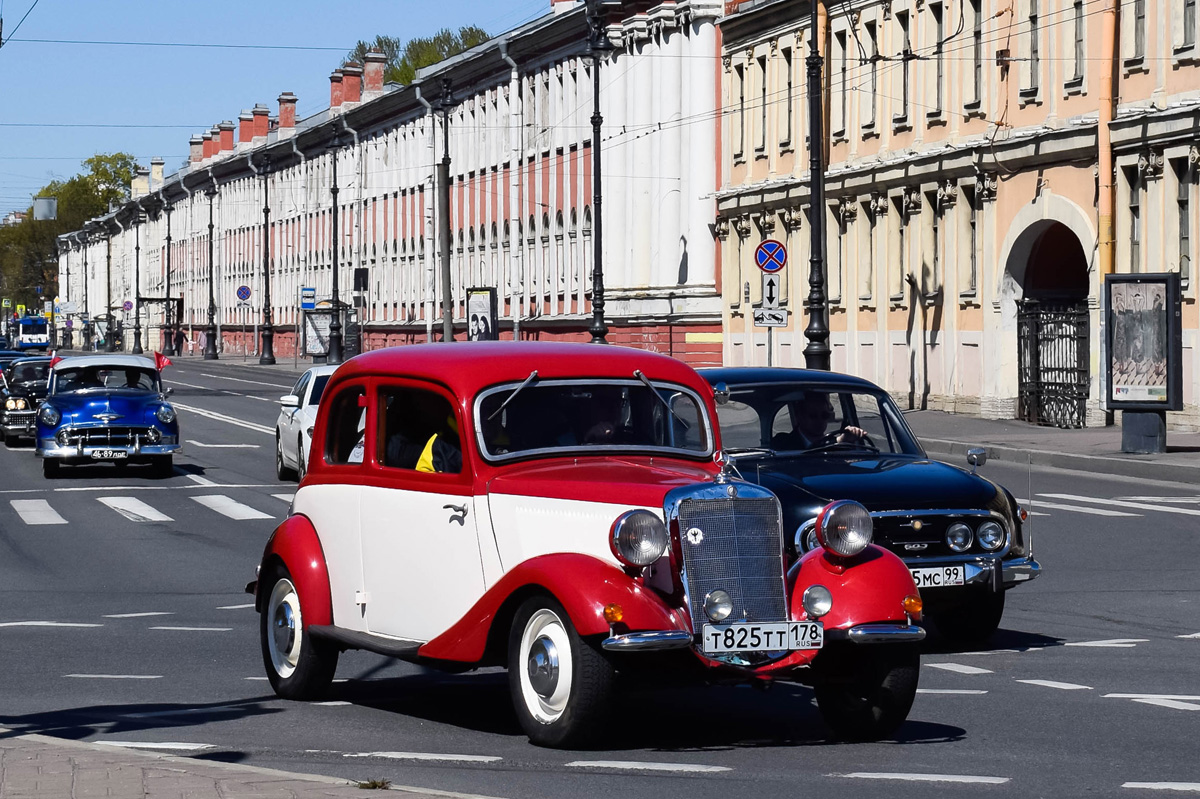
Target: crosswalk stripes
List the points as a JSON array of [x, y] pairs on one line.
[[231, 508], [134, 509], [1042, 505], [38, 512], [1107, 506]]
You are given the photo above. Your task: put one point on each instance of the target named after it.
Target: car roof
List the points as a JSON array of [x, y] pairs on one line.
[[104, 360], [760, 375], [324, 369], [469, 366], [31, 359]]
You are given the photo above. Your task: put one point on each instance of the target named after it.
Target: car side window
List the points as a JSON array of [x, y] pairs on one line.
[[301, 385], [870, 418], [344, 440], [740, 427], [318, 388], [418, 431]]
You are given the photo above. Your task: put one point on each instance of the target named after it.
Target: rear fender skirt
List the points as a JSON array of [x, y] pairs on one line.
[[869, 587], [581, 583], [295, 542]]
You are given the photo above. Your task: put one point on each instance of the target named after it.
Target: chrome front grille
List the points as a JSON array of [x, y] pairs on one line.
[[734, 544], [102, 436]]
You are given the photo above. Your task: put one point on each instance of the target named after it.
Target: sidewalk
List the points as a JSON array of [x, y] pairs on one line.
[[1091, 449], [40, 767]]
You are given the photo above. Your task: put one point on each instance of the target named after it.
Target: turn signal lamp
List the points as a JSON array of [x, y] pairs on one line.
[[913, 605], [613, 613]]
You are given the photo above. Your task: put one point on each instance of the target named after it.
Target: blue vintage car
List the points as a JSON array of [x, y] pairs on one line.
[[106, 408]]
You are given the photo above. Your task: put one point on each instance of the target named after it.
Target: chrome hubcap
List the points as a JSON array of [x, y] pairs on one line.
[[543, 667], [283, 628]]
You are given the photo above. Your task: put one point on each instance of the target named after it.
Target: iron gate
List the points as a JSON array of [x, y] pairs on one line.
[[1052, 341]]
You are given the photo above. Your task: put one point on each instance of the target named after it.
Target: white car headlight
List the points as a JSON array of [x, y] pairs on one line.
[[10, 404], [845, 528], [165, 413], [49, 415], [991, 536], [959, 537], [638, 538], [817, 601], [20, 403]]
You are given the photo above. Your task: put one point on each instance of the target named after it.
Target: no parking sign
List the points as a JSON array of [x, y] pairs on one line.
[[771, 256]]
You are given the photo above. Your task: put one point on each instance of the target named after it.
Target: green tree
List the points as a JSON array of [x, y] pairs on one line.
[[403, 62]]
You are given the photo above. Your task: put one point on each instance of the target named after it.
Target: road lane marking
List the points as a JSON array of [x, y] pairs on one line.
[[1065, 686], [134, 509], [195, 443], [962, 691], [36, 512], [46, 624], [959, 668], [240, 380], [115, 676], [285, 497], [256, 679], [174, 746], [427, 756], [231, 508], [1112, 643], [1183, 697], [893, 775], [220, 417], [200, 481], [1122, 504], [196, 629], [139, 615], [1076, 508], [1173, 704], [225, 391], [236, 607], [333, 703], [1189, 635], [636, 765], [1168, 500], [1165, 786]]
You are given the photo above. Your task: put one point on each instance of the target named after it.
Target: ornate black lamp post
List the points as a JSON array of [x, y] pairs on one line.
[[169, 344], [335, 326], [444, 104], [137, 283], [210, 333], [598, 48], [267, 358], [816, 354]]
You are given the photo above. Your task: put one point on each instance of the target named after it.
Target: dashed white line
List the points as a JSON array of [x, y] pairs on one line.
[[236, 607], [195, 629], [960, 691], [195, 443], [231, 508], [1076, 508], [1111, 643], [1172, 704], [285, 497], [220, 417], [46, 624], [174, 746], [115, 676], [1165, 786], [895, 775], [333, 703], [202, 481], [36, 512], [1183, 697], [256, 679], [427, 756], [240, 380], [1122, 504], [1189, 635], [1065, 686], [134, 509], [1177, 500], [959, 668], [635, 765], [138, 615]]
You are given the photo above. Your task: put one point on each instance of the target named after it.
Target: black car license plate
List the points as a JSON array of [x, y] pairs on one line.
[[109, 454]]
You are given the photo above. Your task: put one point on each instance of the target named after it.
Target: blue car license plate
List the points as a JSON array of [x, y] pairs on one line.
[[109, 454]]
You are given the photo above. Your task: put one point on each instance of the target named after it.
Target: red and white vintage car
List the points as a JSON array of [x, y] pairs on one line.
[[562, 509]]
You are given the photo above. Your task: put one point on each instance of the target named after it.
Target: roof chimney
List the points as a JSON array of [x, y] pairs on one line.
[[141, 183], [195, 149], [210, 143], [352, 75], [335, 89], [226, 134], [156, 173], [245, 130], [262, 122], [375, 63], [287, 114]]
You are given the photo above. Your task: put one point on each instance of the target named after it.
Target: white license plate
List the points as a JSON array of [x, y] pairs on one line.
[[762, 637], [940, 576], [109, 454]]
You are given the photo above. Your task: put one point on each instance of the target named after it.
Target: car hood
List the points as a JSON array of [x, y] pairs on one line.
[[635, 481], [32, 388], [115, 407]]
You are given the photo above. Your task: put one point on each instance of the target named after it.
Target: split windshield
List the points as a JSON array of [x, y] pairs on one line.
[[109, 378]]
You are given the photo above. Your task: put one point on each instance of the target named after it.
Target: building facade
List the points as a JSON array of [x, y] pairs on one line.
[[520, 143], [987, 163]]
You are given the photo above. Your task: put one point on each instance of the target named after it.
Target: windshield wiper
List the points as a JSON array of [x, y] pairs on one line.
[[841, 445], [532, 376], [638, 374]]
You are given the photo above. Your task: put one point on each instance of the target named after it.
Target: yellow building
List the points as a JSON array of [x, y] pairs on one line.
[[976, 153]]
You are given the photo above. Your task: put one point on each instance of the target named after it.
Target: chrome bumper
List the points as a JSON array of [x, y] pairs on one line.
[[1020, 571], [53, 450], [878, 634], [982, 571], [648, 642]]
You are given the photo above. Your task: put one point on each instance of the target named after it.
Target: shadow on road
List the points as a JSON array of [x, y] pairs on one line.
[[936, 644], [82, 722]]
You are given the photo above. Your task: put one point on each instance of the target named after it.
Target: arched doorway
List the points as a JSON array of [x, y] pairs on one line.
[[1052, 328]]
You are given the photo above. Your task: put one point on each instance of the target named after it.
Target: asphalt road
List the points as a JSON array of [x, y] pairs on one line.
[[122, 620]]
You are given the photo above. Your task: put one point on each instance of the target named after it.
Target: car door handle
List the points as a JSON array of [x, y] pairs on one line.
[[459, 515]]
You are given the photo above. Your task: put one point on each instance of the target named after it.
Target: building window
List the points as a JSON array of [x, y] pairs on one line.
[[896, 244], [739, 121], [762, 127], [906, 57], [970, 276], [1139, 28], [977, 53], [873, 39], [866, 252], [1035, 63], [939, 30], [789, 105], [1189, 23], [1183, 203], [843, 91], [1135, 220], [1080, 52]]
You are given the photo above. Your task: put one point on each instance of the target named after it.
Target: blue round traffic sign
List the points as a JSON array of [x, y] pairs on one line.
[[128, 305], [771, 256], [243, 293]]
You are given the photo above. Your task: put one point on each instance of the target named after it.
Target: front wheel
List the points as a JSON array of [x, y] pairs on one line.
[[298, 666], [163, 466], [282, 472], [870, 693], [973, 621], [561, 686], [301, 461]]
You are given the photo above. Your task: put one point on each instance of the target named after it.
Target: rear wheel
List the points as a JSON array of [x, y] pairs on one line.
[[870, 692], [298, 666], [282, 472], [973, 621], [49, 468], [561, 685], [301, 461]]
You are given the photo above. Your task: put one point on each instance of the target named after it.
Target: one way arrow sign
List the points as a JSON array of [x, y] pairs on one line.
[[770, 292]]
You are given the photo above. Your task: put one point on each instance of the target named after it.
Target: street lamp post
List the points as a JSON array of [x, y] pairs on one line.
[[816, 354], [86, 316], [335, 326], [210, 333], [445, 102], [267, 358], [169, 344], [137, 284], [598, 47]]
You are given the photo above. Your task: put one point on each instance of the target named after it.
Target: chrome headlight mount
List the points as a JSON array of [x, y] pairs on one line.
[[845, 528], [165, 413]]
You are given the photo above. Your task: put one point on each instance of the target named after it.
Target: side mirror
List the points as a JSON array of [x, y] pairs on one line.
[[168, 391], [976, 457], [721, 393], [289, 401]]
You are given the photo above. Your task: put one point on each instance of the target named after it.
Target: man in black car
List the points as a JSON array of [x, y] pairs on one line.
[[810, 419]]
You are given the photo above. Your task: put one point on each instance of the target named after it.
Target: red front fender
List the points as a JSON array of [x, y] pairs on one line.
[[870, 587], [583, 584], [296, 544]]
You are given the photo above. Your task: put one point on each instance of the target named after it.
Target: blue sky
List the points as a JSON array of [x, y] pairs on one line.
[[186, 88]]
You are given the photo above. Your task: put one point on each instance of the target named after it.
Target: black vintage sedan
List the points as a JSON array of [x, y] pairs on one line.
[[22, 389], [812, 437]]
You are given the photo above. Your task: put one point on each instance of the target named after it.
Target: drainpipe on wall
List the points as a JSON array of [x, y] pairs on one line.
[[429, 269], [1104, 156], [303, 240], [514, 189]]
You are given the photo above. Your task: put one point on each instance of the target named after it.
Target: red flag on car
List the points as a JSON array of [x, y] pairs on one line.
[[54, 358], [161, 361]]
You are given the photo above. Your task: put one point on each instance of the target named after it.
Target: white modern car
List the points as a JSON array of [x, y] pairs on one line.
[[293, 428]]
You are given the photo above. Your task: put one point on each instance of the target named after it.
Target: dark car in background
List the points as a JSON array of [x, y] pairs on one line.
[[22, 388], [812, 437]]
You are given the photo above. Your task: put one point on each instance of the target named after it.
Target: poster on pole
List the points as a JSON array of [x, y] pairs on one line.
[[316, 332], [1144, 337], [481, 315]]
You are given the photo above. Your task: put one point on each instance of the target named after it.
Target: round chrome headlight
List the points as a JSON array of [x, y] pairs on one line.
[[991, 536], [62, 437], [718, 605], [638, 538], [49, 415], [806, 539], [10, 404], [844, 528], [20, 403], [165, 413], [817, 601], [959, 537]]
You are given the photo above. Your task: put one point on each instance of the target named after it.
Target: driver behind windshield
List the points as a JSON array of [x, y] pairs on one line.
[[810, 422]]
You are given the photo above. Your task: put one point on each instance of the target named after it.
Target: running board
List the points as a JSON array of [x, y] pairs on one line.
[[349, 639]]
